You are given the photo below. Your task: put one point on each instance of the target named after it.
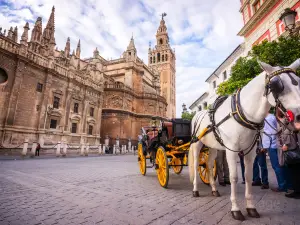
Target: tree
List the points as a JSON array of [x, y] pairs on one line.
[[187, 115], [282, 52]]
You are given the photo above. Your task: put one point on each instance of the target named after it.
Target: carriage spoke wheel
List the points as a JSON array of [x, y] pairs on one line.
[[141, 159], [177, 161], [162, 167], [203, 168]]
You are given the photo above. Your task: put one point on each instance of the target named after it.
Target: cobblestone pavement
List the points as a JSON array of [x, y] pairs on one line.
[[110, 190]]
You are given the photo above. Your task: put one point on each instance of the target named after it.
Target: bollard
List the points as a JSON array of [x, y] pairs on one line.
[[25, 146], [125, 150], [58, 149], [65, 146], [114, 150], [86, 153], [33, 148], [99, 149], [82, 149], [103, 148]]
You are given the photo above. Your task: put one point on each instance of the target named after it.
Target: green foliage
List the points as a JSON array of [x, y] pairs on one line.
[[187, 115], [282, 52]]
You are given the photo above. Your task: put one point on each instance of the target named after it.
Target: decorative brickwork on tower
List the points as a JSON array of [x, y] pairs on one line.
[[162, 58]]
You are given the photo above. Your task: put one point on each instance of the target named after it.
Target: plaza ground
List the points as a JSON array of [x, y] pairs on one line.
[[110, 190]]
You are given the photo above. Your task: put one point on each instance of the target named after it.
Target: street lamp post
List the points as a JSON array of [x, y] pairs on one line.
[[288, 17]]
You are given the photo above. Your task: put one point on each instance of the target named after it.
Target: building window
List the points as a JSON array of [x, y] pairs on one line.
[[153, 59], [53, 124], [163, 58], [92, 112], [37, 107], [150, 60], [200, 108], [90, 130], [129, 53], [39, 87], [225, 75], [74, 128], [161, 41], [76, 106], [56, 102], [158, 57], [166, 57], [214, 84], [256, 5]]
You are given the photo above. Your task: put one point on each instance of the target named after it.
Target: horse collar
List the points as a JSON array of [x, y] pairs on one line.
[[239, 116]]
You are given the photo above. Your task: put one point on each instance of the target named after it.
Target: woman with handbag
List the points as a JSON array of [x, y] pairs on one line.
[[291, 158]]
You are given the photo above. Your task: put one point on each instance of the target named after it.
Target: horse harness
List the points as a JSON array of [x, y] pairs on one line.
[[273, 84]]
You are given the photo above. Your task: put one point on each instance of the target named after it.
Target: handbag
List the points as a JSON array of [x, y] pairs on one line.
[[292, 156]]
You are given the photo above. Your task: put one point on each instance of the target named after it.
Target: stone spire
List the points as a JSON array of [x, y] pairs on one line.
[[48, 34], [36, 33], [67, 48], [96, 52], [130, 54], [131, 45], [24, 37], [10, 33], [162, 36], [15, 34], [78, 50]]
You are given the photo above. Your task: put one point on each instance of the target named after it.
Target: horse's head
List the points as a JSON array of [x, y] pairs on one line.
[[283, 90]]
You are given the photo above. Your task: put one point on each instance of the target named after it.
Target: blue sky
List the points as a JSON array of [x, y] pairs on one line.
[[202, 32]]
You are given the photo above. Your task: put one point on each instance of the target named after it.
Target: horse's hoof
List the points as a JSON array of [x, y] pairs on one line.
[[215, 193], [253, 213], [237, 215], [196, 194]]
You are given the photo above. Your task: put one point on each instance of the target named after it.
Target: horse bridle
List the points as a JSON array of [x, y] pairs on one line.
[[275, 86]]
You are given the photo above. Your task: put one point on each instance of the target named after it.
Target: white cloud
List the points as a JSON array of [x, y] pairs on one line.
[[202, 32]]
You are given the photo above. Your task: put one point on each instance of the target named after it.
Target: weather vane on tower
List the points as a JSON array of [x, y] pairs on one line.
[[163, 15]]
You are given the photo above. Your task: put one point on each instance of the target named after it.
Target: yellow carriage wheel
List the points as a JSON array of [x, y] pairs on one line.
[[177, 161], [162, 167], [141, 159], [203, 167]]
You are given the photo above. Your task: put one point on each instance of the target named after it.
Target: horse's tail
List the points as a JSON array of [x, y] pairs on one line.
[[191, 163]]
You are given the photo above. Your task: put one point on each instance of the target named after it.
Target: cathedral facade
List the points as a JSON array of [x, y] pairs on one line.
[[54, 95]]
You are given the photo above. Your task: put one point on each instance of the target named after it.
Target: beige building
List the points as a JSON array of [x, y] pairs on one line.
[[261, 19], [54, 95], [162, 58]]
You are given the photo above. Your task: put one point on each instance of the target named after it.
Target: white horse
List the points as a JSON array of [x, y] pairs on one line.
[[255, 104]]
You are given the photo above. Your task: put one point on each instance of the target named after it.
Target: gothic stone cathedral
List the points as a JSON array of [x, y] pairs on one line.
[[54, 95]]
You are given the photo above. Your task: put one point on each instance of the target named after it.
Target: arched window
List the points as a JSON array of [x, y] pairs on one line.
[[153, 59], [3, 76], [166, 57], [150, 60], [158, 57], [161, 41], [163, 58]]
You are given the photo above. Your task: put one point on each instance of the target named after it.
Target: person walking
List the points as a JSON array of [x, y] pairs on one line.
[[260, 161], [222, 168], [37, 150], [269, 144]]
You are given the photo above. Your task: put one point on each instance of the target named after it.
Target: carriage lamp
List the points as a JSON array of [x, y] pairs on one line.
[[288, 17]]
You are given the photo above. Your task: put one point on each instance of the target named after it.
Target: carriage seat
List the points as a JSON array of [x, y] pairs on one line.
[[182, 129]]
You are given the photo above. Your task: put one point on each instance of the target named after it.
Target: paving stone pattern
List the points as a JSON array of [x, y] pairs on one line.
[[110, 190]]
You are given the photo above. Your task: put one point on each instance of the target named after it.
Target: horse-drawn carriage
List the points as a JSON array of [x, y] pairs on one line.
[[165, 145]]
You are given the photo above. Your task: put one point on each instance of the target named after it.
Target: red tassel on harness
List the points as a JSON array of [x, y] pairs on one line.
[[290, 116]]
